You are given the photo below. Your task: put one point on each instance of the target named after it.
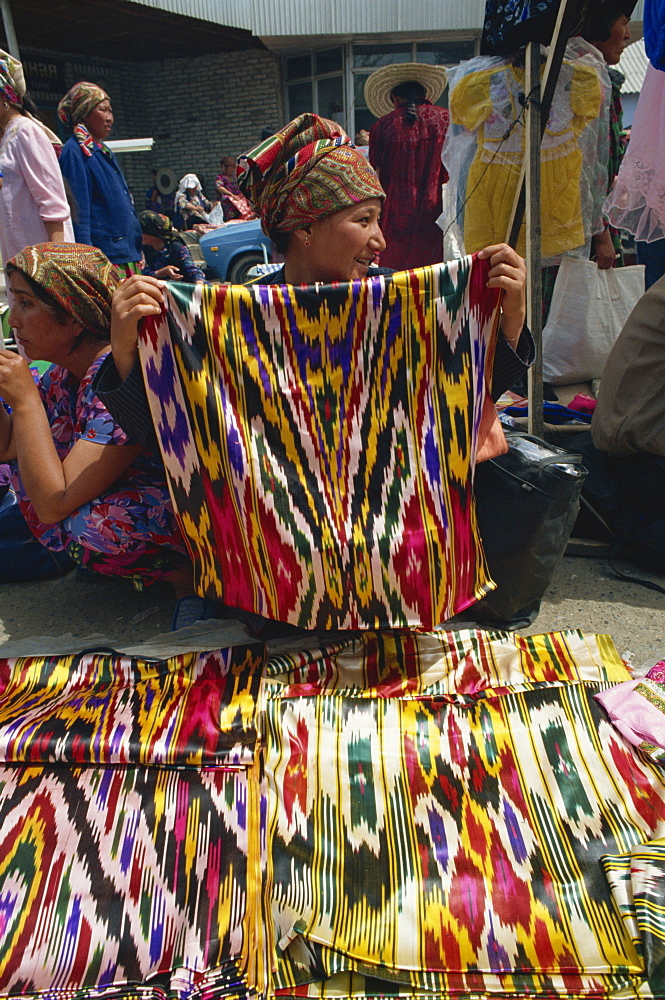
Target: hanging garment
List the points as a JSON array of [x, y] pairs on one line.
[[637, 200], [407, 158], [439, 807], [320, 442], [130, 831], [484, 152]]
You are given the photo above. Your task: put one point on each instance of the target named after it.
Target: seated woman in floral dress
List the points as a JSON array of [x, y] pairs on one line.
[[81, 491]]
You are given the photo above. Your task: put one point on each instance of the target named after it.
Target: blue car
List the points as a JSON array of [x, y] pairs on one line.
[[234, 248]]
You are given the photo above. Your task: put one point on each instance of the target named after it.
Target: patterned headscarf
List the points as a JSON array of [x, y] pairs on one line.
[[11, 77], [79, 278], [309, 170], [154, 224], [76, 105], [15, 69]]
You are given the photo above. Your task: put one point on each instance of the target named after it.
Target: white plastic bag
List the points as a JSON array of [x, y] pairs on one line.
[[216, 217], [589, 308]]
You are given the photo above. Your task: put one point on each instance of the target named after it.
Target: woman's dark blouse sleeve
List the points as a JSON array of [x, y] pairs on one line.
[[509, 364], [126, 401]]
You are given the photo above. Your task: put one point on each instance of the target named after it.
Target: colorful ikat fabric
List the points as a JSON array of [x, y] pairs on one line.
[[130, 836], [637, 880], [320, 442], [439, 805]]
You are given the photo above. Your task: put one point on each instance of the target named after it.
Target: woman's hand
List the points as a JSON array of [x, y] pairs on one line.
[[17, 386], [136, 297], [604, 251], [508, 272]]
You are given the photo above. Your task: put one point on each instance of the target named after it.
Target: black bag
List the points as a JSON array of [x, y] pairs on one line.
[[526, 503]]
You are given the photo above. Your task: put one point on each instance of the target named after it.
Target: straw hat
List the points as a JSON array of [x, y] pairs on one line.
[[380, 83]]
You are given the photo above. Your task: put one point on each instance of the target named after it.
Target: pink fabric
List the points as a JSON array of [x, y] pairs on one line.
[[637, 201], [32, 189], [637, 709], [582, 403]]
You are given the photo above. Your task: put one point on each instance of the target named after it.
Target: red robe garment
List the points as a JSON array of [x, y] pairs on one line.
[[407, 157]]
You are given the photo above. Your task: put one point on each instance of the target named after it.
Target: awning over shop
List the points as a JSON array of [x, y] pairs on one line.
[[118, 29]]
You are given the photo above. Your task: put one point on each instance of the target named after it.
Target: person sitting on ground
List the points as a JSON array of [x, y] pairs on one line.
[[234, 204], [191, 203], [166, 256], [628, 431], [322, 211], [82, 492]]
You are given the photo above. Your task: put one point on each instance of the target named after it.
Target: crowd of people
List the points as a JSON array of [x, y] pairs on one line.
[[86, 483]]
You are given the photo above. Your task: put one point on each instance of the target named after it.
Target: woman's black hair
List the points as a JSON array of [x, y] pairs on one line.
[[280, 240], [413, 93], [59, 314], [600, 18]]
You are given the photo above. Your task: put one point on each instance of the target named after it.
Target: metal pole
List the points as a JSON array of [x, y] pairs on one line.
[[533, 235], [8, 22], [567, 19]]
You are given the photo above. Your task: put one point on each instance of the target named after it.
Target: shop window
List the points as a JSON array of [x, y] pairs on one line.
[[298, 66], [331, 98], [446, 53], [300, 99], [373, 56]]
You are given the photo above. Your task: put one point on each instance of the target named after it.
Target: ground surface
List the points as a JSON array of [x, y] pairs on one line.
[[582, 595]]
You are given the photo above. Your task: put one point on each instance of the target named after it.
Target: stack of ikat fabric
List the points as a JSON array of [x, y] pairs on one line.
[[432, 815], [130, 798]]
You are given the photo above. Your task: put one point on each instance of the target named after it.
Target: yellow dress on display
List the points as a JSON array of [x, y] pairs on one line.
[[487, 101]]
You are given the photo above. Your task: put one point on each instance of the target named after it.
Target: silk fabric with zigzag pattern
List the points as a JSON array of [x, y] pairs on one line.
[[320, 442]]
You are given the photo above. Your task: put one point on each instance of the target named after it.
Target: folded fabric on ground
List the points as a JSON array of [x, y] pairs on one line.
[[439, 805], [637, 879], [320, 442], [637, 709], [130, 835]]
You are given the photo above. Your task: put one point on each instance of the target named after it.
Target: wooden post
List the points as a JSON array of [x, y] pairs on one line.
[[533, 235], [527, 196]]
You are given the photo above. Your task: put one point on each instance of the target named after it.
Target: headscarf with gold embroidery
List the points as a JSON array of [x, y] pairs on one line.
[[308, 170], [80, 279]]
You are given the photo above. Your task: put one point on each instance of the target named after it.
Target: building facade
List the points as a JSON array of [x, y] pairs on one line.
[[312, 56]]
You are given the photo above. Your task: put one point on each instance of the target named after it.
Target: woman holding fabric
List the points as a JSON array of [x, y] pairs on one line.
[[33, 205], [234, 203], [320, 202], [82, 492], [322, 211], [105, 216]]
